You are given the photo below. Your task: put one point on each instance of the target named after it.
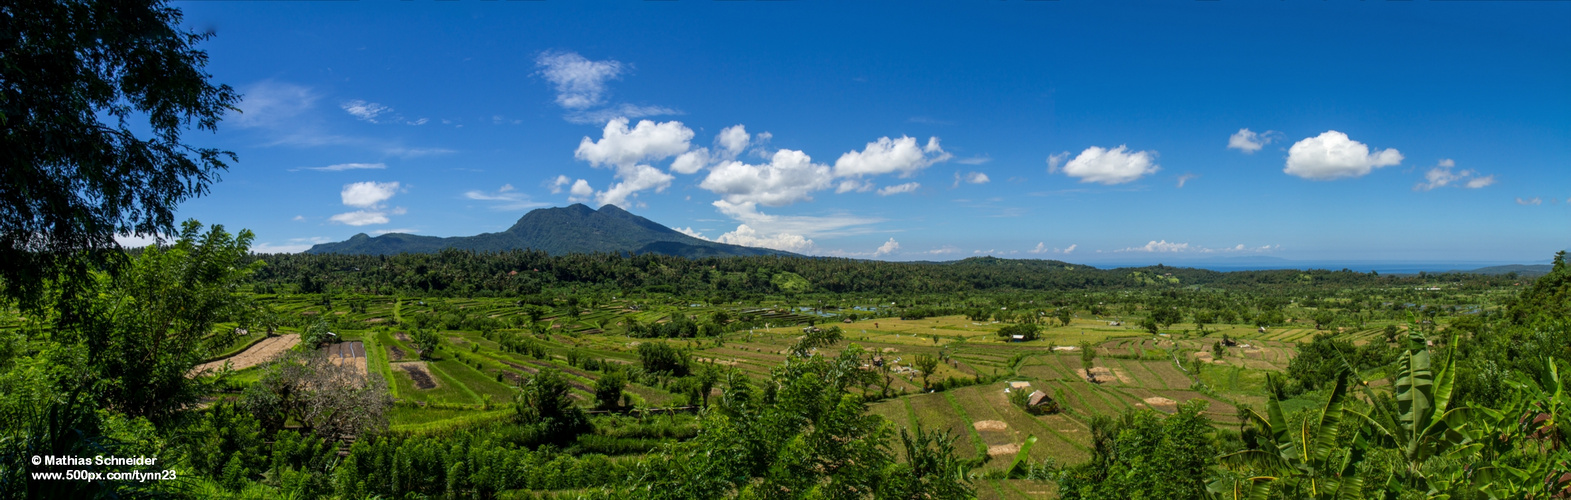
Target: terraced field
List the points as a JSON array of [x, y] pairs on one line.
[[472, 376]]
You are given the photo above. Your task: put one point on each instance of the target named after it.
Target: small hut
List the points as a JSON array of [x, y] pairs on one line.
[[1040, 403]]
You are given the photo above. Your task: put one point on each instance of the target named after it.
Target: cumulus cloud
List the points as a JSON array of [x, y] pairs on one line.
[[505, 198], [690, 232], [361, 217], [691, 162], [884, 156], [1332, 155], [1164, 247], [747, 236], [369, 198], [580, 191], [1248, 141], [1158, 246], [347, 166], [623, 147], [1530, 201], [1111, 166], [1442, 175], [899, 188], [580, 83], [790, 176], [368, 194], [634, 179], [556, 184], [1056, 160], [733, 140], [887, 248]]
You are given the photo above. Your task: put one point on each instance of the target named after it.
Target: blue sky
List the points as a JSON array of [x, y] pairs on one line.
[[1087, 132]]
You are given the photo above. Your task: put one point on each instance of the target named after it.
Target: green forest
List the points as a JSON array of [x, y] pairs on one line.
[[197, 369]]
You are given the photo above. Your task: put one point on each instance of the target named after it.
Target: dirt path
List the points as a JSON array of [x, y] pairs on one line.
[[262, 352]]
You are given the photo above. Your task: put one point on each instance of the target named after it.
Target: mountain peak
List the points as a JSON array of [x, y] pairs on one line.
[[575, 228]]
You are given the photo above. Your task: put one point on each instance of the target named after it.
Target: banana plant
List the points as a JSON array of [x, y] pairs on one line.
[[1423, 426], [1302, 462]]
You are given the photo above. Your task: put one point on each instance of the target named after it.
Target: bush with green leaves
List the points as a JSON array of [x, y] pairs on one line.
[[661, 358]]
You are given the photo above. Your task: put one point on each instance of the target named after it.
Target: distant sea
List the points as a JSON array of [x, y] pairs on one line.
[[1382, 267]]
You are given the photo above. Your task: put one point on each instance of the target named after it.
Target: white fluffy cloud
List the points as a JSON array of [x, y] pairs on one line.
[[691, 162], [556, 184], [899, 188], [620, 146], [887, 248], [1332, 155], [1164, 247], [1530, 201], [885, 156], [1159, 246], [1111, 166], [368, 194], [747, 236], [1442, 175], [580, 83], [369, 198], [1041, 247], [361, 217], [622, 149], [634, 179], [733, 140], [1248, 141], [790, 176], [580, 191]]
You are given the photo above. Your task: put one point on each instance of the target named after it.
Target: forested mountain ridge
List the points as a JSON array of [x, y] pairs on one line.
[[556, 231]]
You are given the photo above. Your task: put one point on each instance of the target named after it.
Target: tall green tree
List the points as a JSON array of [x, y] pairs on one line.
[[156, 320], [79, 80]]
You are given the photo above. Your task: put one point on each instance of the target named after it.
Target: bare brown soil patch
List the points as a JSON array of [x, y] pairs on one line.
[[1003, 449], [990, 425], [1105, 374], [262, 352], [375, 320], [417, 372], [396, 352], [1161, 403], [347, 353], [403, 336]]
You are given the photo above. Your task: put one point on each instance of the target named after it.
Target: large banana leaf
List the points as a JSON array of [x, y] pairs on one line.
[[1327, 431]]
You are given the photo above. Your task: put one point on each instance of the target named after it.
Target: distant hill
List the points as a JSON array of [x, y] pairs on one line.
[[557, 231], [1528, 270]]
